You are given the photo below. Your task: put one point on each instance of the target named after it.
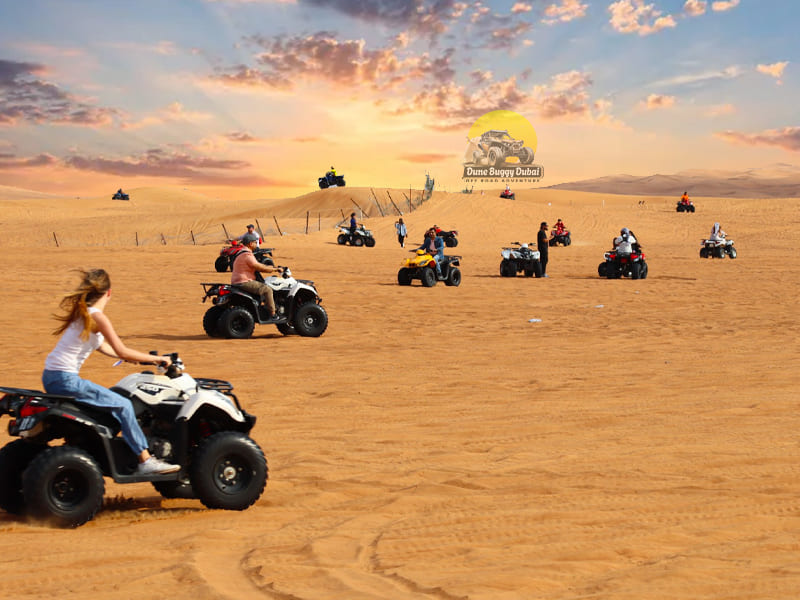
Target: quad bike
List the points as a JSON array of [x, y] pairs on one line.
[[717, 248], [195, 423], [120, 196], [520, 258], [423, 267], [330, 180], [229, 253], [362, 237], [619, 264], [508, 195], [685, 206], [563, 238], [450, 237], [235, 312], [496, 145]]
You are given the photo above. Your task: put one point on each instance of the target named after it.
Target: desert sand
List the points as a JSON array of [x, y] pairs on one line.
[[639, 441]]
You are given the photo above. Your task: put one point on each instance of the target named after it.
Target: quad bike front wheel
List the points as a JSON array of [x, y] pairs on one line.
[[704, 252], [732, 252], [403, 277], [311, 320], [14, 459], [221, 264], [229, 471], [357, 241], [369, 242], [602, 269], [63, 484], [428, 277]]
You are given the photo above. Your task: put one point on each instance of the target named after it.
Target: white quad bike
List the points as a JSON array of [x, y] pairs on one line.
[[235, 311], [717, 248], [362, 237], [192, 422], [520, 258]]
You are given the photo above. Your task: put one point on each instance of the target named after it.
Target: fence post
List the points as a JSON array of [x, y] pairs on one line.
[[137, 238], [163, 241], [278, 226], [56, 239], [194, 243], [307, 212], [399, 212], [261, 233], [319, 221], [359, 208], [227, 237]]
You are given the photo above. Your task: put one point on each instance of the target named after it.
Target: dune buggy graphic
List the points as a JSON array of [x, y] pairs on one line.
[[494, 147]]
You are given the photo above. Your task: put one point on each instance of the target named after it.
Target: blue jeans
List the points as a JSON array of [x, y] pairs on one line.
[[69, 384]]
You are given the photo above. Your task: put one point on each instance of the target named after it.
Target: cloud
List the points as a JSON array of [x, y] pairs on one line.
[[505, 38], [431, 157], [567, 11], [417, 15], [10, 161], [787, 138], [656, 101], [730, 72], [724, 5], [241, 136], [775, 70], [634, 16], [695, 8], [25, 97], [154, 163], [521, 7], [283, 61], [172, 113]]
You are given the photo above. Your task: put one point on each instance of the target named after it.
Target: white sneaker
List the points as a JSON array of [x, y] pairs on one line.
[[155, 466]]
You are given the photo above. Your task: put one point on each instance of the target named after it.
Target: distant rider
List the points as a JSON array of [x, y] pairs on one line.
[[625, 242], [402, 232], [244, 270], [559, 228], [717, 235], [251, 229], [685, 198]]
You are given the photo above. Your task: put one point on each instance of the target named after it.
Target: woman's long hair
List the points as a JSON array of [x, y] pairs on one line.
[[94, 283]]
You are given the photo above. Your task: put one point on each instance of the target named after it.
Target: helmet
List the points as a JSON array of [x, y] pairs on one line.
[[249, 237], [524, 246]]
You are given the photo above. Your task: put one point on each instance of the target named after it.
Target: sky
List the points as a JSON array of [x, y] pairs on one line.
[[257, 98]]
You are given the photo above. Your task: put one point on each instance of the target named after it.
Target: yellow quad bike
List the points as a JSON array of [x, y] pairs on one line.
[[422, 266]]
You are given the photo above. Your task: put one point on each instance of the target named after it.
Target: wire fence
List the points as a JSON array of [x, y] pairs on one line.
[[382, 204]]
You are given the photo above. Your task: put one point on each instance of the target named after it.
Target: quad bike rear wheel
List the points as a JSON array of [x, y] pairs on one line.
[[229, 471], [221, 264], [537, 269], [63, 484], [602, 269], [357, 241], [404, 277], [732, 252], [453, 277], [703, 252], [342, 239], [636, 271], [211, 319], [14, 459], [236, 322]]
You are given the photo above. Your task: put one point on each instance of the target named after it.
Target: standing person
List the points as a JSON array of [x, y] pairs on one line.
[[251, 229], [402, 232], [543, 245], [244, 270], [85, 328]]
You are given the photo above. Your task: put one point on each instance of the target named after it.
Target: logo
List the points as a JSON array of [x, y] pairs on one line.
[[501, 146]]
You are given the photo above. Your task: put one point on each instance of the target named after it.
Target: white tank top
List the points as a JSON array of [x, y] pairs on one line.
[[71, 351]]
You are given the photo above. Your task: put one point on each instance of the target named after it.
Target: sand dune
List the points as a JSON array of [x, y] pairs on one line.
[[640, 441], [774, 181]]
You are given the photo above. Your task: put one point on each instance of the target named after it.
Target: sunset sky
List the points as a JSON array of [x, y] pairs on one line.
[[257, 98]]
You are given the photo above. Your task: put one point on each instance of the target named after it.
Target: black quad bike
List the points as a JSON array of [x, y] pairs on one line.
[[330, 180], [235, 311], [120, 195], [195, 423]]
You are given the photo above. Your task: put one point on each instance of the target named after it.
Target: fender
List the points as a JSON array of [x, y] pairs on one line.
[[210, 398]]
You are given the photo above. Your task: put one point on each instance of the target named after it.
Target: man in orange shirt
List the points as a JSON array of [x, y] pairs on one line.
[[244, 270]]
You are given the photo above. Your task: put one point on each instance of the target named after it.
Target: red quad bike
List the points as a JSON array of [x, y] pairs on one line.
[[450, 237], [685, 206], [508, 195], [617, 265], [560, 238], [224, 261]]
